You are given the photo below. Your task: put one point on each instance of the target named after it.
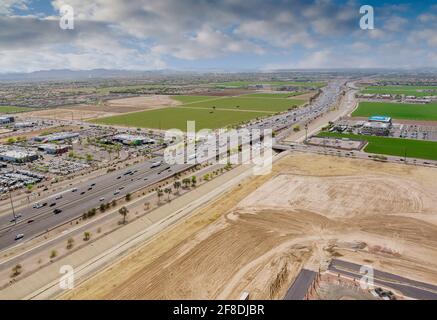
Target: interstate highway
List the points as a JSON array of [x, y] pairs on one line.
[[74, 204]]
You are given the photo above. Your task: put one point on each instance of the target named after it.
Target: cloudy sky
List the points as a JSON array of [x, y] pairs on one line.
[[215, 34]]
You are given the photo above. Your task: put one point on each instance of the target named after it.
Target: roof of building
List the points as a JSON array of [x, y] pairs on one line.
[[376, 125], [380, 118], [17, 154]]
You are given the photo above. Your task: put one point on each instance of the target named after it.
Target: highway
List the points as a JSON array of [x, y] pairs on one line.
[[301, 285], [410, 288], [74, 204], [90, 194]]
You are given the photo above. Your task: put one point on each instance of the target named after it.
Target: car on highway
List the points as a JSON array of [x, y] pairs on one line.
[[156, 164], [30, 221], [37, 205], [59, 197], [121, 188], [82, 193], [53, 204], [116, 193], [19, 236], [102, 199], [74, 190], [93, 184], [118, 178], [57, 211], [17, 216], [90, 188]]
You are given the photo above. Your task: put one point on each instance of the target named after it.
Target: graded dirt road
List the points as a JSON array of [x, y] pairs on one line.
[[256, 237]]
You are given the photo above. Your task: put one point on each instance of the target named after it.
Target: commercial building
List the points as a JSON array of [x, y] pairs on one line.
[[6, 120], [51, 148], [130, 139], [382, 119], [57, 136], [18, 156], [376, 128], [24, 124]]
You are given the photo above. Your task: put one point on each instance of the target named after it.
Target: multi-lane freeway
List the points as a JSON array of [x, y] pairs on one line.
[[80, 198], [77, 200]]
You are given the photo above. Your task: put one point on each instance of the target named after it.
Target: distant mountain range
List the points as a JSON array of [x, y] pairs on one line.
[[66, 74]]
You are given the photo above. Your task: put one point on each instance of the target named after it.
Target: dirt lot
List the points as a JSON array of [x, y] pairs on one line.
[[257, 237], [132, 104], [105, 109], [67, 114]]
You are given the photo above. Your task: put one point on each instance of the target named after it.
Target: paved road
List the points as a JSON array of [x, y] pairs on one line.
[[73, 204], [301, 285], [410, 288], [351, 154]]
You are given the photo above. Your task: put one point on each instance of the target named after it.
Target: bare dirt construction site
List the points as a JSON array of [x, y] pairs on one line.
[[258, 236], [105, 109]]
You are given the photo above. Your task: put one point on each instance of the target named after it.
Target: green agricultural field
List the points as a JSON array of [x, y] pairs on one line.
[[270, 105], [242, 84], [272, 95], [397, 110], [177, 117], [393, 146], [417, 91], [12, 109]]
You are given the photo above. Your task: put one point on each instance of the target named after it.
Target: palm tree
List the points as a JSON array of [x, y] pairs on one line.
[[177, 185], [123, 211], [70, 243], [86, 236], [168, 191], [186, 182], [193, 181], [160, 194], [16, 270], [128, 197]]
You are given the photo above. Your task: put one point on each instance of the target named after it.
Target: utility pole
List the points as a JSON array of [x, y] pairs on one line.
[[12, 206], [306, 132]]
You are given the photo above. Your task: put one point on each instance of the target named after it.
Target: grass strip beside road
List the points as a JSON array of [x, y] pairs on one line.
[[392, 146]]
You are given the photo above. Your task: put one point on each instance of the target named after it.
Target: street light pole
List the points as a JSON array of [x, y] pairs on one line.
[[306, 132], [12, 206]]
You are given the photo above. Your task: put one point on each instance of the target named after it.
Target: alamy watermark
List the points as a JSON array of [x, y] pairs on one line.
[[66, 282], [368, 18], [67, 17], [223, 146]]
